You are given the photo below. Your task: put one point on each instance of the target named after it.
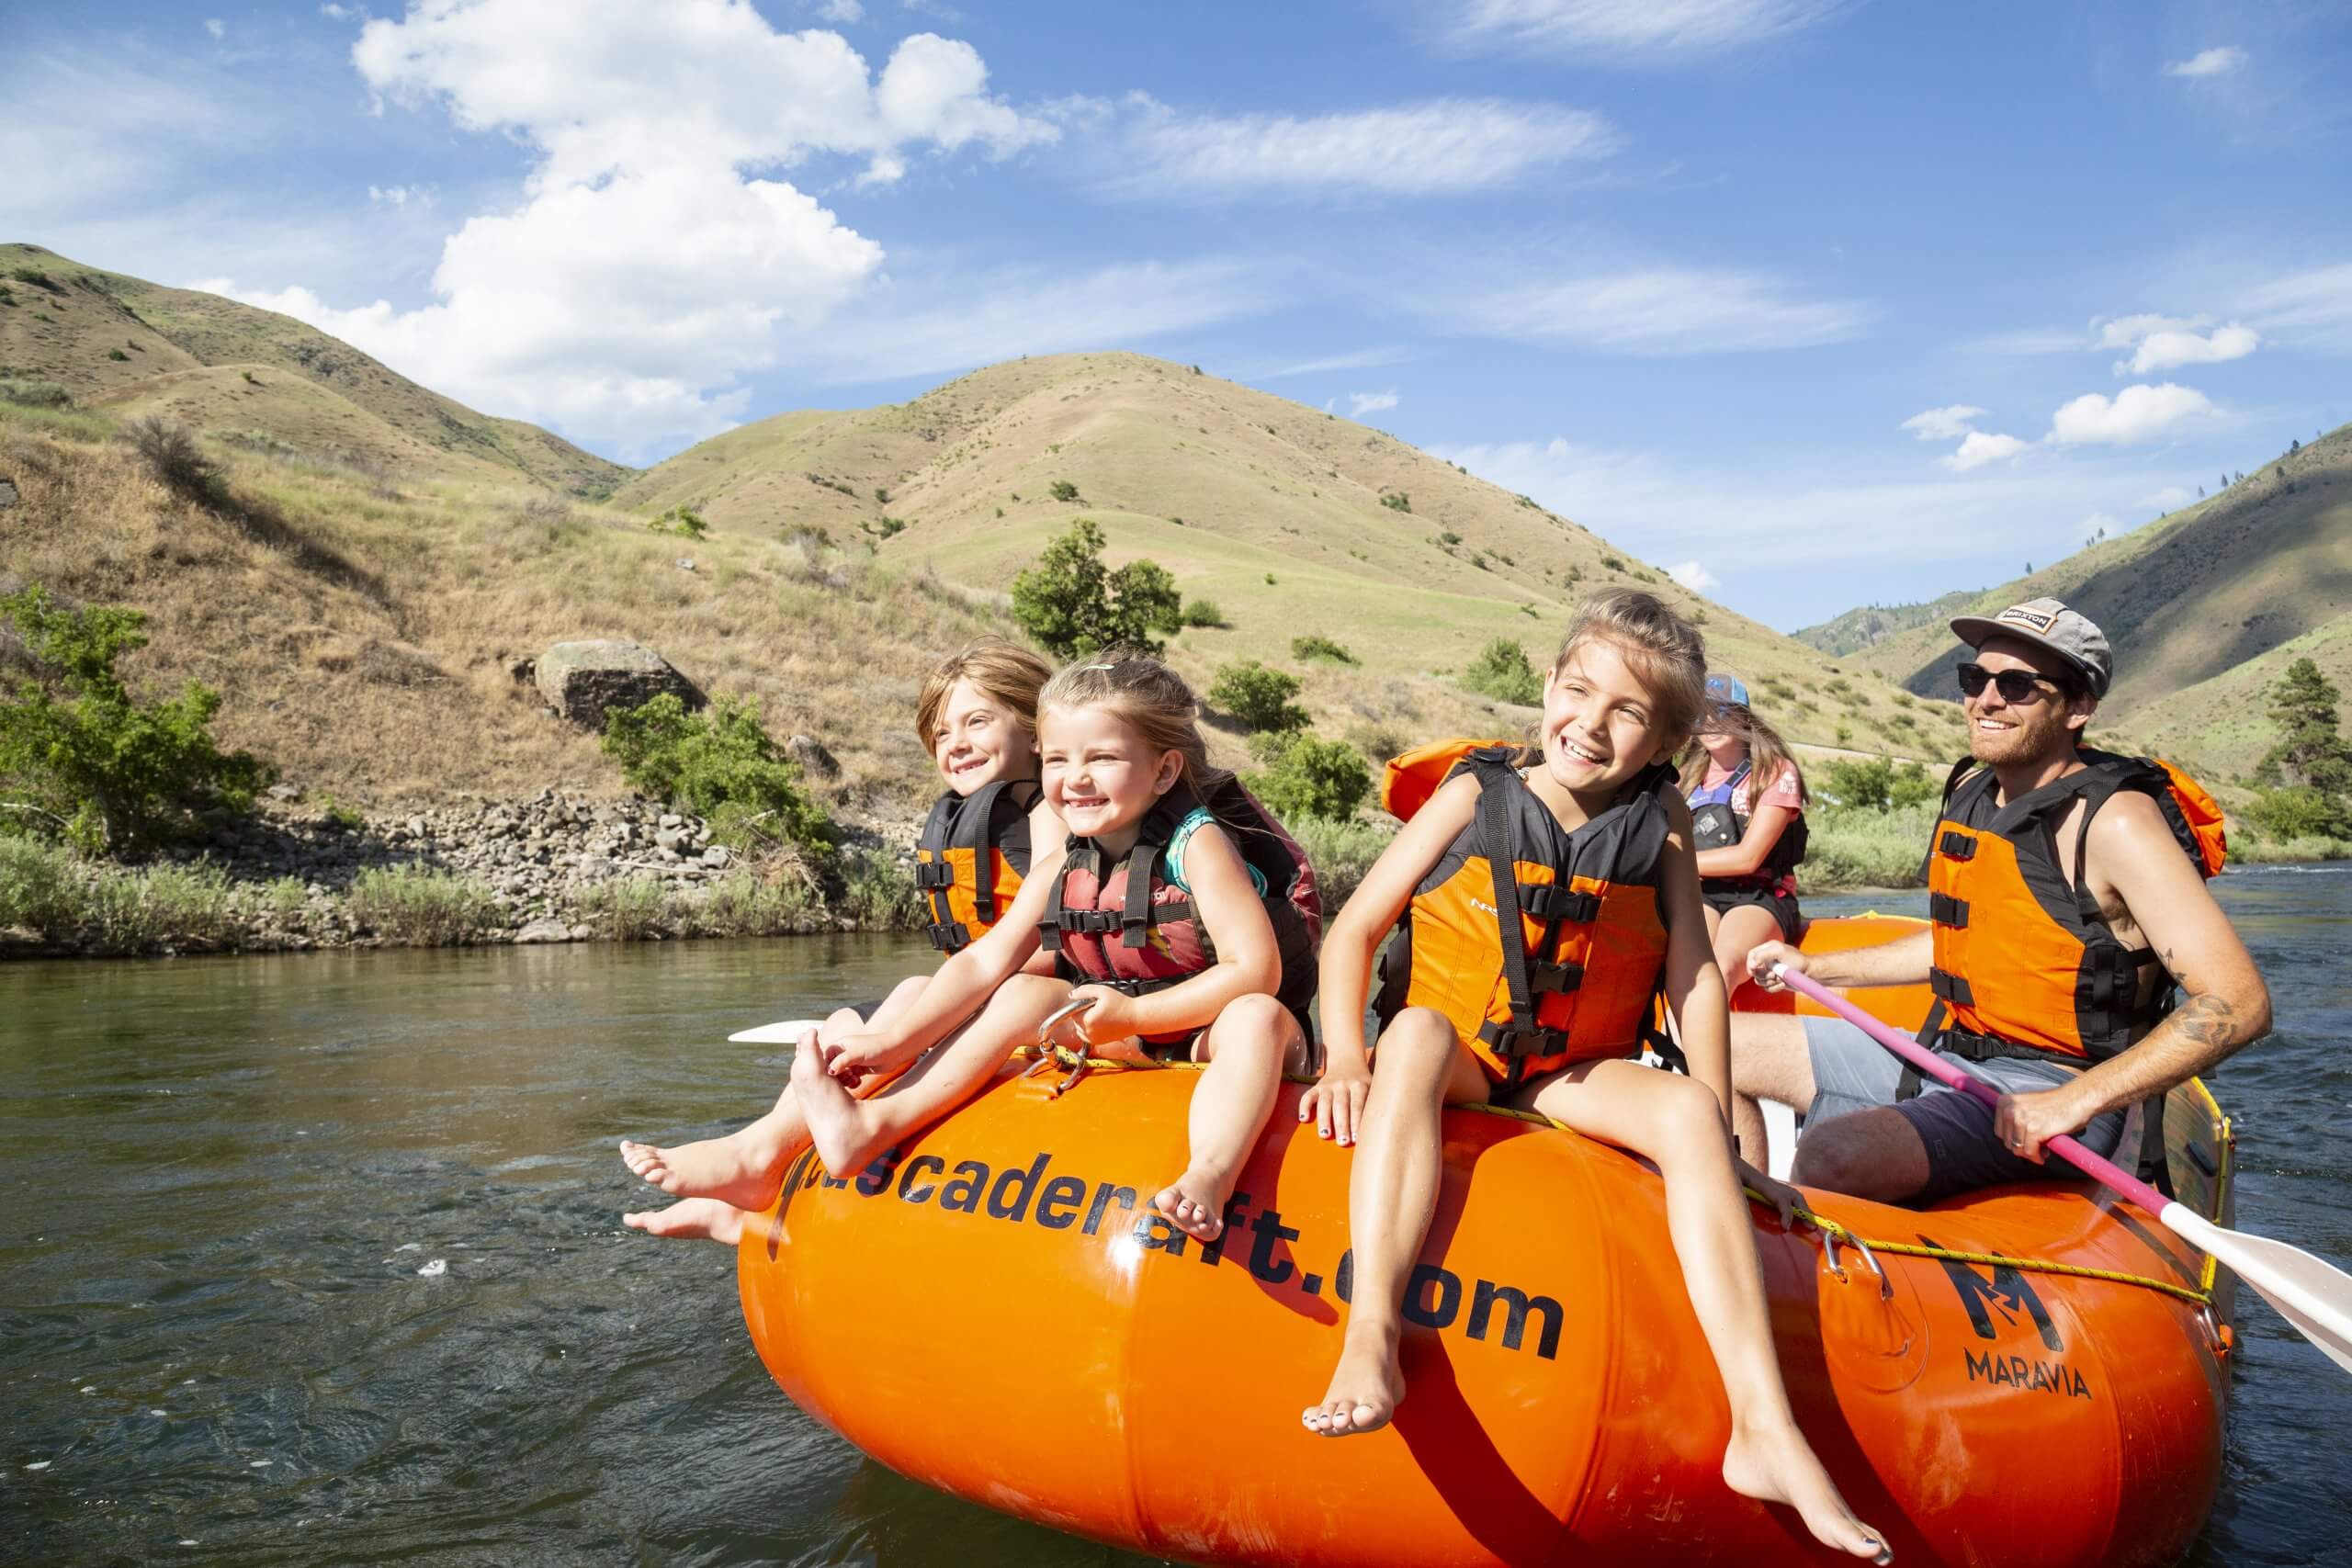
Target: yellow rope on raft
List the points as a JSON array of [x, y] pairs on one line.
[[1821, 1223]]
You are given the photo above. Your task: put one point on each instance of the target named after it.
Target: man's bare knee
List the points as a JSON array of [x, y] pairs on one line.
[[1873, 1154]]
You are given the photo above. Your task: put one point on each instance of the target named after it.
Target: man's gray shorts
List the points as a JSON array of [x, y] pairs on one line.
[[1853, 1072]]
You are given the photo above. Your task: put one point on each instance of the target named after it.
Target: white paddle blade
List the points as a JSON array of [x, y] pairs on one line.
[[2310, 1293], [788, 1032]]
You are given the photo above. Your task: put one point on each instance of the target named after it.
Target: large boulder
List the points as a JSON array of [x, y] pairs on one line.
[[584, 681]]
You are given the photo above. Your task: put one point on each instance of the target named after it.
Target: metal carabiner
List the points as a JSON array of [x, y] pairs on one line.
[[1049, 1050], [1829, 1252]]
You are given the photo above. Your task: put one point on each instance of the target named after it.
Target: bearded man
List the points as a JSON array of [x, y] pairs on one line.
[[2066, 902]]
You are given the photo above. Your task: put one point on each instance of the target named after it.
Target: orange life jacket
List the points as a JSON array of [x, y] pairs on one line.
[[1557, 962], [1139, 933], [970, 859], [2023, 964]]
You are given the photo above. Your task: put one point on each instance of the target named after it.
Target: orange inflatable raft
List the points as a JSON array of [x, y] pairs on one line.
[[2033, 1375]]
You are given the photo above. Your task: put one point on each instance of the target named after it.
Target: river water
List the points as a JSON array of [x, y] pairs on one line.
[[315, 1258]]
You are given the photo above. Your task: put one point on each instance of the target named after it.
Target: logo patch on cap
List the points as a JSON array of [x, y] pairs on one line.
[[2018, 615]]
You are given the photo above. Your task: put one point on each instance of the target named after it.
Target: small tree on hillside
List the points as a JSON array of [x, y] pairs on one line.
[[721, 765], [83, 760], [1072, 604], [1501, 671], [1307, 777], [2310, 748], [1259, 699]]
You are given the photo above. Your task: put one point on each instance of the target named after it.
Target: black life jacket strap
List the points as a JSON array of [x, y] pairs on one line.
[[1057, 913], [1518, 1040]]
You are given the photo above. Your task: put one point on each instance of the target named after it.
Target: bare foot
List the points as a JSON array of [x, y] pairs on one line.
[[1366, 1388], [699, 1219], [742, 1168], [1779, 1466], [1195, 1203], [834, 1124]]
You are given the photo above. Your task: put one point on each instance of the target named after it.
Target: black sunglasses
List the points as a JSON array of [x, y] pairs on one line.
[[2019, 687]]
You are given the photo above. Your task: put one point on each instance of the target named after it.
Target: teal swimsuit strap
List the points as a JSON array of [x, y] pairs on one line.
[[1174, 859]]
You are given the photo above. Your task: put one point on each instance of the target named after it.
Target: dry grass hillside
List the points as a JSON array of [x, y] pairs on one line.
[[2204, 606], [108, 338], [1289, 520]]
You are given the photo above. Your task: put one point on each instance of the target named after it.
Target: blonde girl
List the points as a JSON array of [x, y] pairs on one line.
[[977, 714], [1591, 800], [1177, 916]]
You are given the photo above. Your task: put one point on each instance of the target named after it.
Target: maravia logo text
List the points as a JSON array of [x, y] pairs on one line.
[[2007, 1301]]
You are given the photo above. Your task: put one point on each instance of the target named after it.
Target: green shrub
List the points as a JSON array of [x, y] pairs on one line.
[[1341, 851], [35, 394], [1860, 847], [1072, 604], [415, 908], [1400, 501], [1315, 646], [1501, 671], [341, 818], [1258, 698], [1204, 612], [33, 276], [170, 451], [117, 353], [1062, 489], [879, 892], [1613, 563], [1306, 777], [679, 520], [881, 495], [81, 759], [39, 886], [166, 905], [890, 525], [621, 908], [720, 765], [740, 903], [2300, 811]]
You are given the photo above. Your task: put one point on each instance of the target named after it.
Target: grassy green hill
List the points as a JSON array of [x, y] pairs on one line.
[[109, 338], [1288, 519], [2202, 606], [1868, 625]]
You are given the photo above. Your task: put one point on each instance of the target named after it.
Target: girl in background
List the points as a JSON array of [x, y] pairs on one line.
[[1747, 797]]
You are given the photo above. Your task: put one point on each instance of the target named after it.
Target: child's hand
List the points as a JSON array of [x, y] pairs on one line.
[[857, 1053], [1110, 1019], [1783, 1197], [1336, 1102]]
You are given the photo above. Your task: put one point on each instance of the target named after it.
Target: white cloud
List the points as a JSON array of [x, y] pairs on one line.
[[1430, 148], [1664, 311], [1362, 360], [1629, 28], [400, 196], [2135, 414], [1362, 403], [2313, 308], [1944, 423], [1979, 449], [1693, 576], [2210, 62], [654, 258], [214, 25], [341, 13], [842, 11], [2160, 343]]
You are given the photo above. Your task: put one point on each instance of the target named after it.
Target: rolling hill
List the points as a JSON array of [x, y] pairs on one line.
[[1868, 625], [383, 557], [113, 340], [2203, 606]]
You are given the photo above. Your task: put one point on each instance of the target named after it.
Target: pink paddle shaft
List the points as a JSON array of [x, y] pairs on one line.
[[1944, 1073]]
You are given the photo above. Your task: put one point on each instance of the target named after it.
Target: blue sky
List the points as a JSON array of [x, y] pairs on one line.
[[1817, 302]]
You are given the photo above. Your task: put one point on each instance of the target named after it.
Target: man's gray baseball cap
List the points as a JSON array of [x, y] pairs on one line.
[[2046, 623]]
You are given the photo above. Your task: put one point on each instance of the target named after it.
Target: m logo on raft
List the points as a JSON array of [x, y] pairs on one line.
[[2009, 1295], [1437, 1298]]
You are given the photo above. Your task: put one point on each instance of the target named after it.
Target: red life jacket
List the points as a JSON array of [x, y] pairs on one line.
[[970, 859], [1557, 962], [2024, 965], [1140, 933]]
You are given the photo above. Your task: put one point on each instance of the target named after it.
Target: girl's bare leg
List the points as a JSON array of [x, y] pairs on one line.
[[849, 1132], [743, 1168], [1678, 1124], [1392, 1193], [1246, 1050]]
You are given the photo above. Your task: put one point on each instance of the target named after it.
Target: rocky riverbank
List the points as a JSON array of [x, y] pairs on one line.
[[302, 872]]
